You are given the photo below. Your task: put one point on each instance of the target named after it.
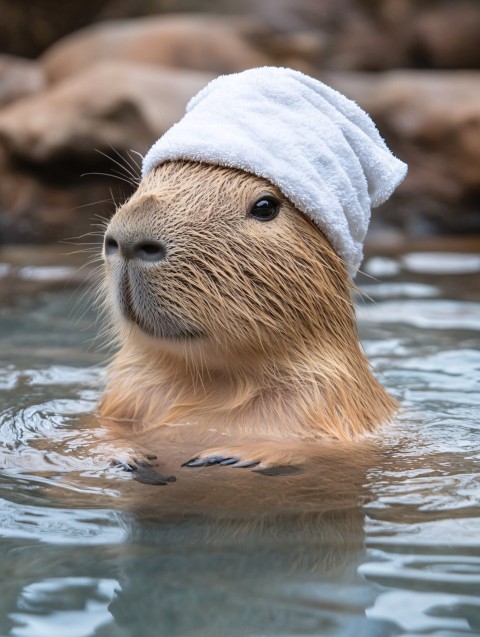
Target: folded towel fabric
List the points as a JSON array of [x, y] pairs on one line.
[[317, 146]]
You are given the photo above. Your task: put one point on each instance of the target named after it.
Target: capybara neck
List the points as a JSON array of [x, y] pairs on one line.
[[232, 312]]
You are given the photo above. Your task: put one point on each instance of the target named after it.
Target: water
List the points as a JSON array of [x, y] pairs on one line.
[[380, 548]]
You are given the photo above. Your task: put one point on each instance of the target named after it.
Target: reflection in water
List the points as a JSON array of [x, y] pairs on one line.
[[84, 610], [375, 540]]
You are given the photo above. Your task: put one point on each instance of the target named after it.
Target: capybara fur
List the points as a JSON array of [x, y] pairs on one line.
[[234, 326]]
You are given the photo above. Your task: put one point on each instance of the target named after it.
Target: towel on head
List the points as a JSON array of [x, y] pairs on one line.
[[317, 146]]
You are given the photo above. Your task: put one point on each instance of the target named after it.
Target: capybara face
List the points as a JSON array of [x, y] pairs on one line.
[[213, 255]]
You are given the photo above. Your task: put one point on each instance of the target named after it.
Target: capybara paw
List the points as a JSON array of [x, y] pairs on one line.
[[143, 469], [244, 459], [133, 463], [223, 459]]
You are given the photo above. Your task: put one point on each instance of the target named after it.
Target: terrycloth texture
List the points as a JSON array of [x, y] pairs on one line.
[[321, 149]]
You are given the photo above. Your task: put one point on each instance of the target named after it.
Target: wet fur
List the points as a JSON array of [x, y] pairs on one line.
[[247, 328]]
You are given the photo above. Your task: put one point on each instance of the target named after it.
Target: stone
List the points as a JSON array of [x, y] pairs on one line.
[[431, 121], [28, 27], [199, 42], [375, 36], [54, 172], [35, 209], [19, 77], [342, 34], [447, 36], [117, 105]]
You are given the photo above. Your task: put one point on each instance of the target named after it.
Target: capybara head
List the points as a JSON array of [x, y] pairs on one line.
[[230, 304], [212, 259]]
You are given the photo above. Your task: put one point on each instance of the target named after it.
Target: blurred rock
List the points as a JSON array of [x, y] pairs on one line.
[[49, 140], [375, 36], [352, 34], [29, 26], [204, 43], [431, 121], [35, 210], [348, 34], [110, 105], [18, 78], [302, 50], [448, 36]]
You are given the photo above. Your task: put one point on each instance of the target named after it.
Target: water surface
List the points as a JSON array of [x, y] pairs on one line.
[[387, 549]]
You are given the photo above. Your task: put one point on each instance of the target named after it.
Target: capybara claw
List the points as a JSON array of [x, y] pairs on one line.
[[195, 462], [208, 461], [205, 461], [246, 464], [143, 470], [228, 461], [122, 464]]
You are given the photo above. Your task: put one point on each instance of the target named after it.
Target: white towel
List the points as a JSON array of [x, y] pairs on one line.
[[321, 149]]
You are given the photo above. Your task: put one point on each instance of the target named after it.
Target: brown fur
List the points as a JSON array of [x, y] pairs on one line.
[[275, 354]]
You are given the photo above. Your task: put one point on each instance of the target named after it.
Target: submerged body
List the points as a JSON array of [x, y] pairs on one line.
[[234, 316]]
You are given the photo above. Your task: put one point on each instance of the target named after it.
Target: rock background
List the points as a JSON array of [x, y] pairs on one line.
[[83, 81]]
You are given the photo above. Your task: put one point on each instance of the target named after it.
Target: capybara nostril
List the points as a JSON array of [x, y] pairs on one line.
[[111, 246], [149, 251], [144, 250]]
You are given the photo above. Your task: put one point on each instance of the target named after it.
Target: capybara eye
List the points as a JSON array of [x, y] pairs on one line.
[[265, 209]]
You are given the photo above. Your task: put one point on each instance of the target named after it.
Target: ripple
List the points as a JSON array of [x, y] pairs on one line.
[[5, 270], [63, 375], [381, 267], [70, 526], [60, 526], [454, 373], [84, 607], [421, 612], [443, 574], [46, 419], [441, 262], [46, 273], [457, 536], [434, 314], [399, 290], [458, 363], [9, 378]]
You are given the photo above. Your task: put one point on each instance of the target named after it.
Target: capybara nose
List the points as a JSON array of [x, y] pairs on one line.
[[143, 249]]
